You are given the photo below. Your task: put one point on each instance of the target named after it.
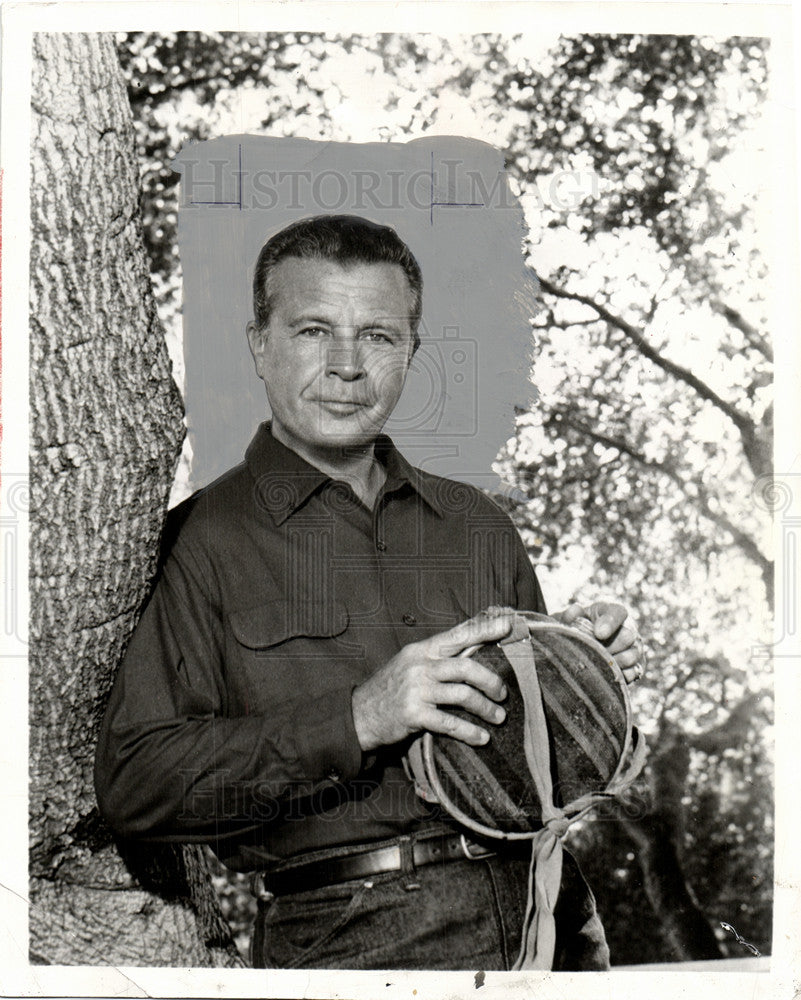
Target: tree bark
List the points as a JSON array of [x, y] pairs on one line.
[[105, 431]]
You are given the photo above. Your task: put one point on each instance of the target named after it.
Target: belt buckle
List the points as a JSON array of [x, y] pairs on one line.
[[483, 852]]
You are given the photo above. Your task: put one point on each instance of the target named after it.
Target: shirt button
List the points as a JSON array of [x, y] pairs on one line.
[[381, 546], [409, 619], [334, 775]]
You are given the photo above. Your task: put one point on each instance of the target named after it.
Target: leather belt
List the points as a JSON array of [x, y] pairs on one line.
[[301, 876]]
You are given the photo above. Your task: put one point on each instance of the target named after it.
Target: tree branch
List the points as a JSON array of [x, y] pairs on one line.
[[740, 420], [567, 326], [751, 334], [744, 541], [730, 733], [229, 78], [617, 443], [740, 538]]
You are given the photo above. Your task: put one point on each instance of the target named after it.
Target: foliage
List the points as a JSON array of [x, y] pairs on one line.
[[725, 851], [731, 869], [639, 161], [663, 265], [656, 422], [237, 903]]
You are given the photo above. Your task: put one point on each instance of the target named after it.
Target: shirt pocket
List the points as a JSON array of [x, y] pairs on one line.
[[289, 649], [271, 624]]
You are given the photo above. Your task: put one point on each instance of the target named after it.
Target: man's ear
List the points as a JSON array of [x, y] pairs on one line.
[[256, 337]]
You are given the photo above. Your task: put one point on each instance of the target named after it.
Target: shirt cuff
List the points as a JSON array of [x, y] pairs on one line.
[[326, 740]]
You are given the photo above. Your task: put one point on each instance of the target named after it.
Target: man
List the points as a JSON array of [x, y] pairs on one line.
[[311, 616]]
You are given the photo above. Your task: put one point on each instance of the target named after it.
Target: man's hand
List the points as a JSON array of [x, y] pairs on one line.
[[613, 628], [405, 695]]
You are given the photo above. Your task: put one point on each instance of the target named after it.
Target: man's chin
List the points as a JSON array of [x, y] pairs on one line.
[[346, 432], [343, 439], [328, 432]]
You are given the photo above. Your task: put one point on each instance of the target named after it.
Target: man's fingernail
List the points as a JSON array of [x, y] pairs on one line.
[[504, 691], [484, 737]]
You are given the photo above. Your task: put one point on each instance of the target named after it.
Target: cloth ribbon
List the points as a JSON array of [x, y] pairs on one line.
[[545, 873]]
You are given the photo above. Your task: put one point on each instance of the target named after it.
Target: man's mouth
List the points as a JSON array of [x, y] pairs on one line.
[[341, 407]]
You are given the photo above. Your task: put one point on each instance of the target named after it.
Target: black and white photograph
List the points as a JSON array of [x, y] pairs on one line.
[[400, 499]]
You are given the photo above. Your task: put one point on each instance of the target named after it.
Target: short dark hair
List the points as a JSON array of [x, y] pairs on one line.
[[346, 239]]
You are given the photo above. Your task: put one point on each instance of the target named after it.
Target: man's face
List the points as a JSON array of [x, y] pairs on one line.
[[336, 350]]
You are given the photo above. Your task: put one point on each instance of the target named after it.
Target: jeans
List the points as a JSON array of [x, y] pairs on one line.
[[455, 915]]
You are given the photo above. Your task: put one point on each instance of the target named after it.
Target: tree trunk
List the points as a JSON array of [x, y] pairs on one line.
[[684, 927], [105, 433], [657, 838]]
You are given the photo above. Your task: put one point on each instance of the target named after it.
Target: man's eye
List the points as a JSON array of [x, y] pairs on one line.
[[376, 337], [312, 331]]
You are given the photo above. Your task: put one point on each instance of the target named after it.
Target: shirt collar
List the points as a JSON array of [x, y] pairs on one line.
[[285, 481], [400, 471]]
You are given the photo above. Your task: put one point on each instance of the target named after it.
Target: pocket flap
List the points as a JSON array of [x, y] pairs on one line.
[[272, 622]]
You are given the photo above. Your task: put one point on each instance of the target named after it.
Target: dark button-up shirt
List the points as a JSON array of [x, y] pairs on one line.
[[230, 721]]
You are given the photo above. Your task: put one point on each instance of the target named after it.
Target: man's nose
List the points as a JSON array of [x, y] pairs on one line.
[[345, 360]]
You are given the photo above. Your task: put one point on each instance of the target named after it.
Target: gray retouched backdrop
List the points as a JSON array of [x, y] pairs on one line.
[[449, 199]]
